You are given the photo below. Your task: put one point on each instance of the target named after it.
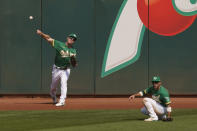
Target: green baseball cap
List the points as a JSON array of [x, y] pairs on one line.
[[73, 36], [156, 79]]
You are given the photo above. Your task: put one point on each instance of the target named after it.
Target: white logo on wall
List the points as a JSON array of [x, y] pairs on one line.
[[125, 40]]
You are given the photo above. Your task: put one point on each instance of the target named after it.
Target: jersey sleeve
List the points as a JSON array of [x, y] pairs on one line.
[[57, 44], [167, 100], [166, 97], [146, 91]]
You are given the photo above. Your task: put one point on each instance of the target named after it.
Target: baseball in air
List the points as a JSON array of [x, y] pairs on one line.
[[31, 17]]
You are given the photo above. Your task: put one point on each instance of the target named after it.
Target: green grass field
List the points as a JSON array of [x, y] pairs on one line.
[[94, 120]]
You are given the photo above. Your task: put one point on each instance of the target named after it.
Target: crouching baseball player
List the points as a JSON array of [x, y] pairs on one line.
[[158, 106], [65, 57]]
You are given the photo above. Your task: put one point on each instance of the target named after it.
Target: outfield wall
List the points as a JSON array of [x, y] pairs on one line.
[[26, 60]]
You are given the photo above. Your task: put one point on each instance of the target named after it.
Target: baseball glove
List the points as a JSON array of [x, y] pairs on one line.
[[168, 119], [73, 61]]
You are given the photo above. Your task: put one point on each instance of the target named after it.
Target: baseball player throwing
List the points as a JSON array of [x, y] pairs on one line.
[[158, 106], [65, 57]]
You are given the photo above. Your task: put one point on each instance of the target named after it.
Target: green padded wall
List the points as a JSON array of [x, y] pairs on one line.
[[26, 60], [174, 59], [20, 47]]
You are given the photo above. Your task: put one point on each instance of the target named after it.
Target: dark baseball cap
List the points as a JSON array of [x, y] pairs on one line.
[[73, 36], [156, 79]]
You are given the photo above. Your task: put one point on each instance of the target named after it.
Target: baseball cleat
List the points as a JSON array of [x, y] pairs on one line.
[[151, 119], [60, 104], [54, 100]]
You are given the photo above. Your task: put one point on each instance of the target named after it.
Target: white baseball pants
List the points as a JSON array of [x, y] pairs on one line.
[[62, 75], [153, 108]]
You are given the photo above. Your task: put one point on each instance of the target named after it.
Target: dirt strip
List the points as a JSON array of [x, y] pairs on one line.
[[18, 103]]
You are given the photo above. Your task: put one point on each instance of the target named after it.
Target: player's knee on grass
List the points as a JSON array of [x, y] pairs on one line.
[[144, 111]]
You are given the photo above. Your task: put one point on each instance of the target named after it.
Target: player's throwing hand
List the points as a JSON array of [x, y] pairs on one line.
[[38, 31]]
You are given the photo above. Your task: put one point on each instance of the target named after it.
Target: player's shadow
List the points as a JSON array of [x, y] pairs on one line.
[[39, 103], [138, 119], [141, 119], [45, 103]]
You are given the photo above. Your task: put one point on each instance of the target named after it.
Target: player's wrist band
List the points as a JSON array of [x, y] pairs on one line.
[[169, 109], [141, 94]]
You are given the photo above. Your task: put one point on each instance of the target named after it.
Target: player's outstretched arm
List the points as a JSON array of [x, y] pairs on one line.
[[45, 36], [134, 95]]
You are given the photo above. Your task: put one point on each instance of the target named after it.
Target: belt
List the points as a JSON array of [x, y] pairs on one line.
[[61, 68]]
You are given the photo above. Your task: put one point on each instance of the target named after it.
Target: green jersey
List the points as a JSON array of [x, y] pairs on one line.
[[161, 95], [63, 54]]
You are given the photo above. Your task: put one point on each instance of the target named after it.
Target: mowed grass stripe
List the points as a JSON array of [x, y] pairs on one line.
[[107, 120]]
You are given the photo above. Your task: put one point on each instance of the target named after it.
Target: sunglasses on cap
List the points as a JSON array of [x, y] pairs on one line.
[[72, 38], [155, 82]]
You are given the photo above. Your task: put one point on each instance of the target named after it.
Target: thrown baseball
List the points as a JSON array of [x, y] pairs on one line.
[[31, 17]]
